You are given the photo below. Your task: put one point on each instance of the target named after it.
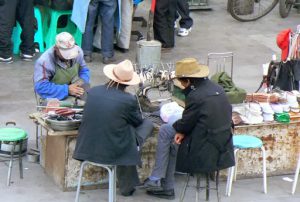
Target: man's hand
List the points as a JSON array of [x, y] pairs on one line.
[[75, 90], [178, 138]]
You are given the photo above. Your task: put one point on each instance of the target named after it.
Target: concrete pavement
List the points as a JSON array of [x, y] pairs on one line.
[[252, 43]]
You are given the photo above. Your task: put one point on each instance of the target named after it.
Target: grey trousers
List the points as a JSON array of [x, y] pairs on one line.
[[165, 158], [127, 176], [123, 38]]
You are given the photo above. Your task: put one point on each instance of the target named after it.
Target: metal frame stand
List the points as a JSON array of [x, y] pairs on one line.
[[296, 176], [112, 169], [198, 187]]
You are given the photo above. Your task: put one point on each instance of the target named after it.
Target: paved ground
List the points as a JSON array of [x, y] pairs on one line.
[[253, 44]]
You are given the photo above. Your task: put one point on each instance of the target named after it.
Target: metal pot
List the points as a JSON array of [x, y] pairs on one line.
[[6, 147], [64, 125]]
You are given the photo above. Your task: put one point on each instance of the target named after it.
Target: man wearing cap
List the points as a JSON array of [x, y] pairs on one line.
[[61, 71], [112, 130], [203, 133]]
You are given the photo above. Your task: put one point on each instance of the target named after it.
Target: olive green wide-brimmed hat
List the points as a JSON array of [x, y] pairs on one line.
[[189, 67]]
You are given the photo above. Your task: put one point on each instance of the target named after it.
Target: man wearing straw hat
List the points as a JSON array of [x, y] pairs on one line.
[[112, 130], [203, 133]]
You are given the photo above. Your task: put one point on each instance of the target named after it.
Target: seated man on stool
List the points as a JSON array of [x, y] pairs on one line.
[[203, 133], [61, 71], [112, 130]]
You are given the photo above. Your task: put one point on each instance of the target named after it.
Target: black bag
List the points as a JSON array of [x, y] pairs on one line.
[[56, 4], [283, 75], [273, 72]]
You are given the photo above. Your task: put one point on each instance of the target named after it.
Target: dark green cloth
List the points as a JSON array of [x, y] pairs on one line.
[[235, 94]]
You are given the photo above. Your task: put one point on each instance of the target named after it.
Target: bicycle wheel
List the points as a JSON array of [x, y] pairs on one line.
[[285, 7], [250, 10]]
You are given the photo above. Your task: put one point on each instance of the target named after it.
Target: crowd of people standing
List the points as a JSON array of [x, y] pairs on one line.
[[114, 28]]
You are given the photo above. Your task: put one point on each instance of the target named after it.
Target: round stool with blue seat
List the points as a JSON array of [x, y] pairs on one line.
[[245, 142], [13, 137]]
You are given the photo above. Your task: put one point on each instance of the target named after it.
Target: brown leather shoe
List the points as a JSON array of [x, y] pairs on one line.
[[107, 60]]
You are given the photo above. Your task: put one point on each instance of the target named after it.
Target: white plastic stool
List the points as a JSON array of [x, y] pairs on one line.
[[245, 142], [296, 176], [112, 179]]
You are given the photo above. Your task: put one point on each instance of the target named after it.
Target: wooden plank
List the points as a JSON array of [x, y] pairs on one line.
[[38, 118], [271, 123], [55, 159]]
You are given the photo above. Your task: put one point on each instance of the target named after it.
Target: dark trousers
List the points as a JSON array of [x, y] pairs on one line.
[[105, 9], [127, 176], [183, 9], [22, 11], [163, 24]]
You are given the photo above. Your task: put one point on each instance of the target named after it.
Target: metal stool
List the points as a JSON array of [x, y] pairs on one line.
[[296, 176], [13, 137], [112, 179], [245, 142], [208, 176]]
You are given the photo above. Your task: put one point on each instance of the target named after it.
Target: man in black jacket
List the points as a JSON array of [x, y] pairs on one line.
[[203, 133], [112, 130]]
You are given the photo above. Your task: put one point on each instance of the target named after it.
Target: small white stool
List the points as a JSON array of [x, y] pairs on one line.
[[296, 176], [245, 142], [112, 179]]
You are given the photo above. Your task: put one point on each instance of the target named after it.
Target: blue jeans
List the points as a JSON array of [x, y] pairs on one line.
[[106, 10]]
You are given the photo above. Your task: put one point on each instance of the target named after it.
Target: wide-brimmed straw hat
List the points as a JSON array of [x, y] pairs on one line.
[[122, 73], [65, 43], [189, 67]]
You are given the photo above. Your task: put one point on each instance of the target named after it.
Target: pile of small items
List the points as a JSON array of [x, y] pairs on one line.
[[281, 106], [62, 118]]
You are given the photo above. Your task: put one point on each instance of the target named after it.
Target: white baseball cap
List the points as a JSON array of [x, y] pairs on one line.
[[66, 45]]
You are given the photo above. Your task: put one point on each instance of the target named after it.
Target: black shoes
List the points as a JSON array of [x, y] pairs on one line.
[[165, 194], [6, 60], [107, 60], [152, 185], [26, 57], [87, 58], [122, 50], [128, 193]]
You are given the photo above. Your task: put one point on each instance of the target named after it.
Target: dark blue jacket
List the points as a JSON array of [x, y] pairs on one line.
[[206, 123], [107, 132]]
